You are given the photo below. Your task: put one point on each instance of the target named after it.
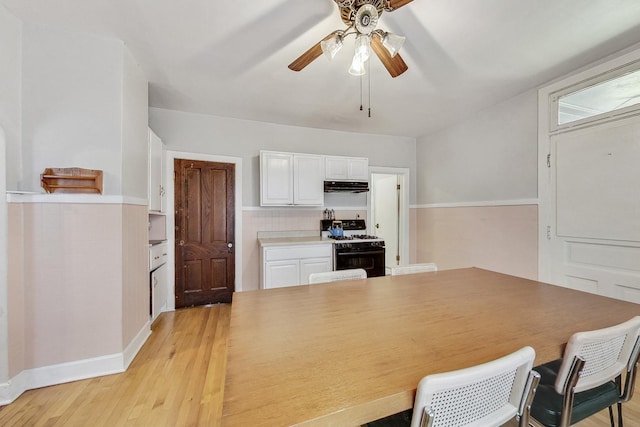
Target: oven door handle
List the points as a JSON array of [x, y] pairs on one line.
[[360, 253]]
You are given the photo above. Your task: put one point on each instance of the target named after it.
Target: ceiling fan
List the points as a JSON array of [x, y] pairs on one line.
[[361, 18]]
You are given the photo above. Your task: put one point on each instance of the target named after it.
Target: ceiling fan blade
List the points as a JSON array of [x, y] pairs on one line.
[[396, 4], [395, 65], [309, 56]]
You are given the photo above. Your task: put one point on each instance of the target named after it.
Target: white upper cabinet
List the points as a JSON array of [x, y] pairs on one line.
[[276, 178], [291, 179], [156, 171], [342, 168], [308, 179]]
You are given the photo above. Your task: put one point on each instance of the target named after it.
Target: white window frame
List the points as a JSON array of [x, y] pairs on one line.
[[593, 80]]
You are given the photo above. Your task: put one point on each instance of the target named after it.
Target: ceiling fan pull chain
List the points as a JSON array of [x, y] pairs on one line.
[[361, 103], [369, 81]]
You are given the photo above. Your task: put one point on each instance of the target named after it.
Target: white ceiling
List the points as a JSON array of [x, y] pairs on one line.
[[230, 58]]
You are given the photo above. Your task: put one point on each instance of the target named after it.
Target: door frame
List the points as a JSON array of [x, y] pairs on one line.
[[404, 220], [171, 216], [546, 216]]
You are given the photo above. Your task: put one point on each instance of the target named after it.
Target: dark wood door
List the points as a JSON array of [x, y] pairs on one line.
[[205, 241]]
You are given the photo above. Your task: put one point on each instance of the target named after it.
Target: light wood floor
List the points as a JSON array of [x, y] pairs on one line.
[[177, 379]]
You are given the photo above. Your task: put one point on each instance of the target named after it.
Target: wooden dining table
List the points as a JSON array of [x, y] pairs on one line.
[[349, 352]]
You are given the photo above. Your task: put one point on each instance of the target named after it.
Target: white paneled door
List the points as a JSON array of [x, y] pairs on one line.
[[593, 230]]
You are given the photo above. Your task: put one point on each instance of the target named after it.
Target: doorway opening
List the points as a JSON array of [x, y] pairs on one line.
[[388, 204]]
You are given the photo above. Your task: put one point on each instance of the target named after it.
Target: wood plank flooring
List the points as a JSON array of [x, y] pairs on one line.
[[177, 379]]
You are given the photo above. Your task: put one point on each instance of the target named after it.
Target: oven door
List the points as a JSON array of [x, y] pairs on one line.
[[370, 260]]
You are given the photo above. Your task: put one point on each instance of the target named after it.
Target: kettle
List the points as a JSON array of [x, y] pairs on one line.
[[336, 229]]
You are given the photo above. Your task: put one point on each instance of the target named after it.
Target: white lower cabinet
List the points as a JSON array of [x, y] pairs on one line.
[[314, 265], [285, 265], [279, 274], [158, 291]]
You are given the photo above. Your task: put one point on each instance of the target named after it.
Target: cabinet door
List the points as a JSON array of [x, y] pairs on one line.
[[279, 274], [308, 178], [335, 167], [155, 173], [347, 168], [358, 168], [158, 291], [313, 265], [276, 179]]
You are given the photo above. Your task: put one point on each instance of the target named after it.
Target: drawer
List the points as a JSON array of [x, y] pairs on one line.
[[158, 255], [298, 252]]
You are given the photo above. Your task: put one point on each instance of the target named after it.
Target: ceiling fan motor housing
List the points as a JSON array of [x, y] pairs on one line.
[[361, 13]]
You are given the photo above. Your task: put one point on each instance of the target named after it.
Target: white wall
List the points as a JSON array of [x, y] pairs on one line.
[[10, 84], [135, 123], [4, 324], [477, 191], [205, 134], [80, 101], [10, 130], [489, 157], [72, 105]]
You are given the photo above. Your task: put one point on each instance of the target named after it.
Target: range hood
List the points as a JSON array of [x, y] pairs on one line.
[[346, 186]]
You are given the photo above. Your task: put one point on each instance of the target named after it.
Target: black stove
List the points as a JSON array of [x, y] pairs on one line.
[[355, 237], [354, 248]]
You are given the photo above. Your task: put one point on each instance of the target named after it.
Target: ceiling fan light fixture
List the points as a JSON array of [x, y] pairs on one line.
[[363, 47], [357, 67], [331, 46], [393, 43]]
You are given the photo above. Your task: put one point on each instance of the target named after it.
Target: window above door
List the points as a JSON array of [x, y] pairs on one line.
[[611, 94]]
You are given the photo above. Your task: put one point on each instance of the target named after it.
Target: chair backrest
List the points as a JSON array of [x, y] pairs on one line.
[[413, 268], [334, 276], [606, 354], [486, 395]]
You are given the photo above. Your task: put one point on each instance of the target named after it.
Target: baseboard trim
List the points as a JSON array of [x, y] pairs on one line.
[[136, 344], [73, 371]]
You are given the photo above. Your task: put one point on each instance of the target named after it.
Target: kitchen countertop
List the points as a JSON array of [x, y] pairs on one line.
[[281, 238], [280, 241]]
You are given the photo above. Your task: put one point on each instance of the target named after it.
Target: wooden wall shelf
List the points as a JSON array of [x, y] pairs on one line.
[[71, 180]]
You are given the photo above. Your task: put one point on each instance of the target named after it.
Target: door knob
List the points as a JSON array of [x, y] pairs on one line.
[[181, 242], [230, 246]]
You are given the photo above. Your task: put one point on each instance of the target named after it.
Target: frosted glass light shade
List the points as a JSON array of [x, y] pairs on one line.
[[357, 66], [363, 47], [331, 46], [393, 43]]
